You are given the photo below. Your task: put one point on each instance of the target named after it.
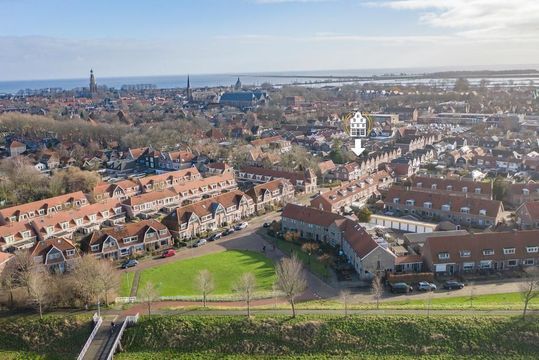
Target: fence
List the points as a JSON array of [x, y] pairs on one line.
[[213, 298], [97, 324], [129, 320]]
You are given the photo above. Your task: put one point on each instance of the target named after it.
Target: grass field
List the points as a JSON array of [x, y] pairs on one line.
[[332, 337], [178, 278], [53, 337]]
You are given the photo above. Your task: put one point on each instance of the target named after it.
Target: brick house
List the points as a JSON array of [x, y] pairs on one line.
[[518, 194], [44, 207], [364, 253], [527, 215], [197, 218], [131, 239], [492, 251], [271, 193], [354, 192], [168, 179], [452, 186], [17, 235], [302, 181], [460, 210], [16, 148], [148, 204], [56, 255]]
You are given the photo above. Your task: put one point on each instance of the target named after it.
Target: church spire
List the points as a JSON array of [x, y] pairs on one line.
[[189, 95], [93, 84]]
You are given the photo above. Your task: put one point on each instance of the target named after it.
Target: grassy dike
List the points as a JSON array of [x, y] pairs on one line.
[[323, 337], [53, 337]]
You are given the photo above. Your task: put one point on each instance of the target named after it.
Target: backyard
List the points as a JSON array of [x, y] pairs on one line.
[[178, 278]]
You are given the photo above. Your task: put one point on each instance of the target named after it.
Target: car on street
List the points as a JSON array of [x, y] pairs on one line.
[[401, 288], [228, 231], [241, 226], [200, 242], [453, 285], [266, 224], [168, 253], [426, 286], [215, 236], [129, 263]]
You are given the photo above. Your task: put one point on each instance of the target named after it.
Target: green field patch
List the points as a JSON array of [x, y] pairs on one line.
[[178, 278]]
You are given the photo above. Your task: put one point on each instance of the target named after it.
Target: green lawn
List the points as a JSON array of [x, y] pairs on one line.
[[315, 266], [178, 278], [325, 337], [126, 283]]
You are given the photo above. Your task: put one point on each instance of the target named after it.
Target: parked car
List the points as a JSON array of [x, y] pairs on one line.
[[168, 253], [241, 226], [401, 288], [129, 263], [453, 285], [215, 236], [266, 224], [200, 242], [228, 231], [426, 286]]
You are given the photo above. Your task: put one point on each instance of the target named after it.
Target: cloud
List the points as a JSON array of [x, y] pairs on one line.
[[476, 19]]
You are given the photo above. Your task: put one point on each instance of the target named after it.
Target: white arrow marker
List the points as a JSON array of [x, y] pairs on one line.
[[357, 149]]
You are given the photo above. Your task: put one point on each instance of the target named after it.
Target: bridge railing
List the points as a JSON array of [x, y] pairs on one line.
[[97, 320], [129, 320]]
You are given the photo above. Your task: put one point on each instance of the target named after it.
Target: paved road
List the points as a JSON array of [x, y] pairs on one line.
[[236, 312]]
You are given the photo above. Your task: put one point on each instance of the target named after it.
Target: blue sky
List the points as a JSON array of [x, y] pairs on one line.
[[42, 39]]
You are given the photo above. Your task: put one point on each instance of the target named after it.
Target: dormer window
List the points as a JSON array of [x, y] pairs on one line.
[[419, 184], [95, 247], [396, 201], [465, 253], [446, 207], [434, 186], [532, 249], [410, 202], [449, 187], [525, 192], [488, 252], [464, 189], [427, 205], [508, 251], [443, 255], [478, 190], [465, 210], [483, 212]]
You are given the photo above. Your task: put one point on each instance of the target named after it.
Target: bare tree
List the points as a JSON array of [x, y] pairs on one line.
[[87, 285], [38, 287], [377, 288], [205, 284], [245, 286], [24, 265], [345, 297], [107, 278], [530, 288], [149, 294], [8, 282], [291, 279]]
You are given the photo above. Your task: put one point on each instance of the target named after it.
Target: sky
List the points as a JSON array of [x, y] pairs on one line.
[[60, 39]]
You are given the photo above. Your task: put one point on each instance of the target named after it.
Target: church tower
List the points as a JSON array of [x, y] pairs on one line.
[[189, 94], [238, 84], [93, 85]]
